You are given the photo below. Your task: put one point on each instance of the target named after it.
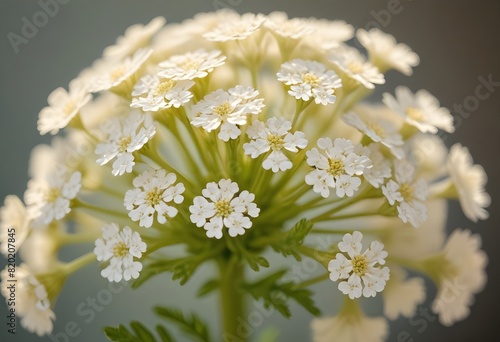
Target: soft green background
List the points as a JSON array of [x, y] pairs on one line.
[[457, 41]]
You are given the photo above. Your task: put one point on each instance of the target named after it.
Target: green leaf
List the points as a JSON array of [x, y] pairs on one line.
[[191, 325], [269, 335], [139, 333], [277, 295], [164, 334], [293, 238], [153, 269], [208, 287]]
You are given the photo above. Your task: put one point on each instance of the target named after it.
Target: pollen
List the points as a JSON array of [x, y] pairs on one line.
[[311, 79], [123, 143], [336, 167], [355, 67], [120, 250], [360, 265], [223, 109], [52, 195], [153, 197], [414, 113], [276, 142], [406, 191], [164, 87], [223, 208]]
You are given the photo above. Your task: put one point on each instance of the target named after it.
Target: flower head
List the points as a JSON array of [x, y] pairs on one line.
[[124, 136], [49, 198], [355, 66], [153, 93], [378, 130], [135, 37], [225, 209], [309, 79], [111, 74], [153, 192], [421, 110], [280, 25], [14, 222], [227, 110], [275, 137], [63, 107], [236, 27], [469, 181], [361, 272], [463, 276], [119, 247], [407, 193], [386, 53], [32, 302], [191, 65], [337, 168]]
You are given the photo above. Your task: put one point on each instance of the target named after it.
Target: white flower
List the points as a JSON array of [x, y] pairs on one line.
[[309, 79], [63, 107], [381, 169], [465, 277], [236, 27], [152, 93], [295, 28], [14, 225], [124, 136], [402, 295], [328, 34], [350, 327], [350, 61], [224, 209], [469, 180], [378, 130], [360, 272], [191, 65], [119, 248], [32, 303], [49, 198], [407, 193], [153, 191], [135, 37], [421, 110], [227, 110], [110, 74], [386, 53], [338, 169], [275, 137]]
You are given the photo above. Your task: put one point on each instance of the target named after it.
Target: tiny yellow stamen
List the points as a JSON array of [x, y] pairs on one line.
[[120, 249], [223, 208], [336, 167], [359, 265], [276, 142]]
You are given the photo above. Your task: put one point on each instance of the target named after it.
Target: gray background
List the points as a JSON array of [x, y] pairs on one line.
[[457, 41]]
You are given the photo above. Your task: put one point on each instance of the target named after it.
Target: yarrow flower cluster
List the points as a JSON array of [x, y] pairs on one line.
[[224, 209], [119, 247], [361, 272], [253, 128]]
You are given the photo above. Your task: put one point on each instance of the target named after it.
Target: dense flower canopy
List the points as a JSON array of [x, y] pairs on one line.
[[247, 134]]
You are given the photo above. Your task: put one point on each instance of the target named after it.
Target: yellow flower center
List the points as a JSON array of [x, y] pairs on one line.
[[311, 79], [117, 73], [359, 265], [69, 107], [414, 114], [375, 127], [276, 142], [223, 208], [123, 144], [120, 249], [52, 195], [223, 109], [355, 67], [189, 64], [406, 191], [164, 87], [336, 167], [153, 197]]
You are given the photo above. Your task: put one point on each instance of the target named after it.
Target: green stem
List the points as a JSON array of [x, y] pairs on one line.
[[231, 278]]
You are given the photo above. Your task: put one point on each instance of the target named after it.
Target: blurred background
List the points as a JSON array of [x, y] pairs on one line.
[[457, 41]]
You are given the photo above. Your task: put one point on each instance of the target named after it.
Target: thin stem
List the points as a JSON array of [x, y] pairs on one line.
[[231, 278], [79, 262], [312, 281]]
